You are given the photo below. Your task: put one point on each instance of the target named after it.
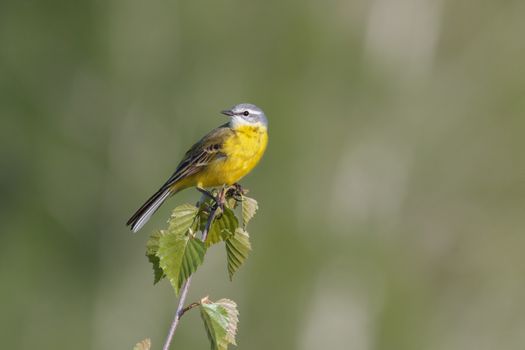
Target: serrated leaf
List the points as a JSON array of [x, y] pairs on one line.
[[179, 256], [231, 202], [249, 207], [227, 221], [158, 273], [220, 321], [143, 345], [182, 218], [237, 248], [152, 246]]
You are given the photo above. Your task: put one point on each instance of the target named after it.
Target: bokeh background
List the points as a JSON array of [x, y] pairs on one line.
[[392, 193]]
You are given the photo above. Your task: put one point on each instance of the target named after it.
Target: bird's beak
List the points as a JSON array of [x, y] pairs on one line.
[[227, 112]]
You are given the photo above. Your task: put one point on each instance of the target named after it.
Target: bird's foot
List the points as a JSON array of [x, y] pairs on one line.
[[218, 199], [236, 191], [226, 193], [206, 193]]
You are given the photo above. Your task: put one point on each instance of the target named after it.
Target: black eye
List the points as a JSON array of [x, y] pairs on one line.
[[246, 113]]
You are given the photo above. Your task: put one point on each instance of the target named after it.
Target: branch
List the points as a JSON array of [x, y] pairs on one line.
[[180, 308]]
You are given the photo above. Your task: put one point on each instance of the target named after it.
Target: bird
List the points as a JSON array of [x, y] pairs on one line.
[[221, 158]]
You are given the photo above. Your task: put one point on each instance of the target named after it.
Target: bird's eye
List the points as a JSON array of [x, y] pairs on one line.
[[246, 113]]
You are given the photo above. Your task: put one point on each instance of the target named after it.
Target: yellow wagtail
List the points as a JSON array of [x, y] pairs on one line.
[[222, 157]]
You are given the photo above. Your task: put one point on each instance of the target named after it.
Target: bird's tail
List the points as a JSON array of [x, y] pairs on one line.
[[144, 213]]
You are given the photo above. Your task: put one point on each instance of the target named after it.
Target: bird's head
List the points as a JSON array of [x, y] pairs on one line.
[[246, 114]]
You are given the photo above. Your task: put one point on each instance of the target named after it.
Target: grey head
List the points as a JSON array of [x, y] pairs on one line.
[[246, 114]]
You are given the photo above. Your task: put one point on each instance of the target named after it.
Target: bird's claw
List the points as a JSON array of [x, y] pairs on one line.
[[236, 191]]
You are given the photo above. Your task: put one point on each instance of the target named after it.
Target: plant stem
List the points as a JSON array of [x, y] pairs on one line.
[[180, 308], [178, 314], [188, 308]]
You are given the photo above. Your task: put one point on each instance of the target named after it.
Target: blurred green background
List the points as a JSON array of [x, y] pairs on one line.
[[392, 193]]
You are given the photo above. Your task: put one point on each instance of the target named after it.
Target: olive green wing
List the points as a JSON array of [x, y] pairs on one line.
[[204, 152]]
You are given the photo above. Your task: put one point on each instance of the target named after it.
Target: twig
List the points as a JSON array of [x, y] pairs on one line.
[[180, 308], [187, 308], [178, 314]]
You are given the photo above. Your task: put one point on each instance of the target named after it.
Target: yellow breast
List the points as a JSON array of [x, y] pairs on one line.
[[243, 150]]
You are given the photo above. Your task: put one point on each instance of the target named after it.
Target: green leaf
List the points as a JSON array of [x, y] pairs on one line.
[[249, 207], [143, 345], [220, 321], [157, 271], [237, 248], [226, 222], [179, 256], [182, 218], [152, 246], [231, 202]]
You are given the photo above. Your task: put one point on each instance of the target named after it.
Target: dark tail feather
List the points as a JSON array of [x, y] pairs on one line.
[[146, 211]]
